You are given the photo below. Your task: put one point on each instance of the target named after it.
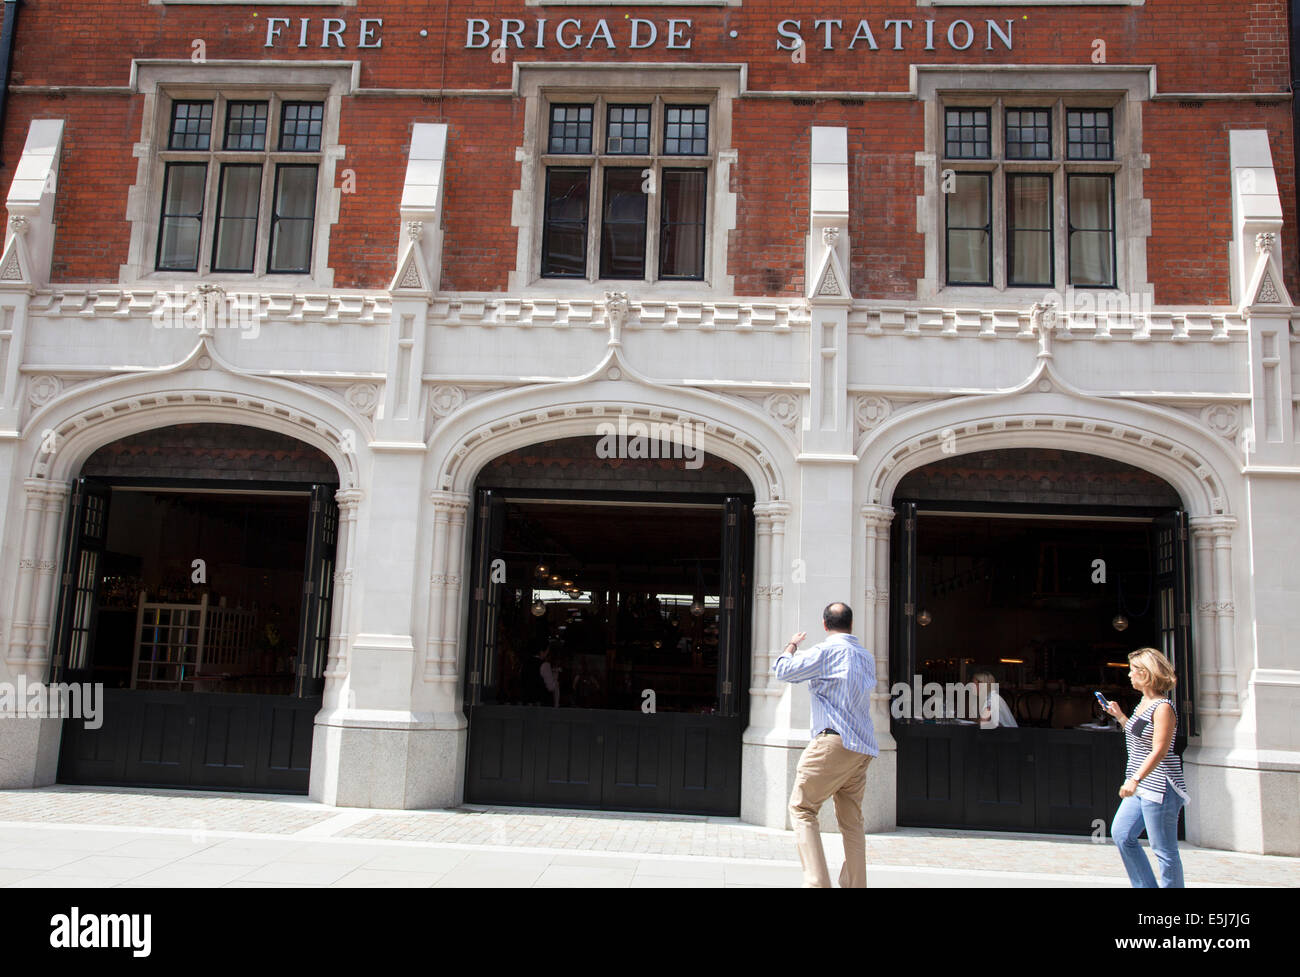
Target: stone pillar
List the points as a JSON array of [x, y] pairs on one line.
[[336, 666], [880, 805], [1215, 614], [47, 577], [29, 548]]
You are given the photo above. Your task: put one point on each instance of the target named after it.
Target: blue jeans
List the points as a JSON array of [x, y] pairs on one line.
[[1161, 823]]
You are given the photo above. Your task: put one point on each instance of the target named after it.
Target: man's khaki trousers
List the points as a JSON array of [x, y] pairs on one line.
[[828, 769]]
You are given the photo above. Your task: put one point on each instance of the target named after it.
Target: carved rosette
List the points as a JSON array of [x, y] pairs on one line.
[[445, 398], [42, 389], [784, 408], [870, 412], [1223, 419], [363, 398]]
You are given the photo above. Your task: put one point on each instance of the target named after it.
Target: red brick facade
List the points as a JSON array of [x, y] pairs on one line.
[[1197, 48]]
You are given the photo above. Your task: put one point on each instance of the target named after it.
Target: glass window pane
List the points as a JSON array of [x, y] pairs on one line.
[[570, 129], [182, 217], [969, 231], [967, 134], [1092, 236], [564, 233], [300, 126], [623, 230], [1029, 230], [968, 205], [236, 242], [681, 238], [1089, 134], [1029, 133], [686, 130], [246, 126], [293, 218], [629, 130], [191, 125]]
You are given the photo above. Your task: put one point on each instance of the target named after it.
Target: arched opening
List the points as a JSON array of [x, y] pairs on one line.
[[196, 592], [1042, 569], [609, 627]]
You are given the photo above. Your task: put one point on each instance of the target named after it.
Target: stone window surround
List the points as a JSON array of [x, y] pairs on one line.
[[714, 85], [163, 81], [1121, 90]]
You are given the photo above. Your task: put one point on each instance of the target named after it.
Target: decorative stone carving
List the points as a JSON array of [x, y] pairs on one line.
[[12, 271], [870, 412], [415, 230], [830, 235], [617, 309], [42, 389], [445, 398], [830, 284], [412, 277], [362, 397], [1264, 243], [1268, 291], [19, 223], [784, 408], [1222, 419]]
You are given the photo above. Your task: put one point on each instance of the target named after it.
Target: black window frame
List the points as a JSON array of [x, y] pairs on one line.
[[216, 114], [1070, 230], [651, 156], [1020, 127], [219, 218], [1009, 179], [987, 228], [949, 142], [276, 220], [1110, 133], [163, 216], [664, 224], [548, 222]]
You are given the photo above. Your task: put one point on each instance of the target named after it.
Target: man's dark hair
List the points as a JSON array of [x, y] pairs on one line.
[[838, 617]]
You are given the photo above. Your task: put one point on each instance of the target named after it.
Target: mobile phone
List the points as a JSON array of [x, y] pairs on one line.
[[1102, 700]]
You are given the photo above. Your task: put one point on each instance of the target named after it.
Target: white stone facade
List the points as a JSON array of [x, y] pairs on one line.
[[824, 402]]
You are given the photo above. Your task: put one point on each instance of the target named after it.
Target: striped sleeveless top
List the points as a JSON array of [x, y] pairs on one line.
[[1139, 734]]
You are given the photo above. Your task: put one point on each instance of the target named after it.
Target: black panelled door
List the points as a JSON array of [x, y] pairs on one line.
[[85, 538], [317, 591], [1173, 591]]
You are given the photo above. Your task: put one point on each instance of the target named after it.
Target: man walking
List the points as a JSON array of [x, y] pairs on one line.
[[841, 676]]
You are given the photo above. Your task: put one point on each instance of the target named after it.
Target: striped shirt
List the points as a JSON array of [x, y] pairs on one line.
[[841, 676], [1139, 734]]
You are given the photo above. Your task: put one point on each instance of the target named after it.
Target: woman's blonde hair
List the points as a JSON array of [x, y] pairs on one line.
[[1157, 666]]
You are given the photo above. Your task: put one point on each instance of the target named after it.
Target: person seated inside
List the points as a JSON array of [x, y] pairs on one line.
[[991, 702]]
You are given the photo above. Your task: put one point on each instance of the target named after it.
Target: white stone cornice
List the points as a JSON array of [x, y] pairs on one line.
[[245, 304]]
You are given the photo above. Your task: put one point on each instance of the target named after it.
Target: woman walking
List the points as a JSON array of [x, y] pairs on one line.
[[1154, 792]]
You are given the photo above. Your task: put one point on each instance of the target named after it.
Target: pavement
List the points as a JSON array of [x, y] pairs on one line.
[[88, 837]]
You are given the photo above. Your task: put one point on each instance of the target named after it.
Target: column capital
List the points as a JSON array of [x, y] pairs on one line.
[[876, 514], [1212, 525], [771, 511], [449, 501], [349, 498]]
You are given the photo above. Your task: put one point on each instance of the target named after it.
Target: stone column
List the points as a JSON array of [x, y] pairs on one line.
[[875, 607], [336, 666], [1215, 614], [47, 577], [762, 597], [441, 658], [33, 512]]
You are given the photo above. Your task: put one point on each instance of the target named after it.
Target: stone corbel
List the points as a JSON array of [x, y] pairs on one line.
[[29, 238], [419, 259]]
